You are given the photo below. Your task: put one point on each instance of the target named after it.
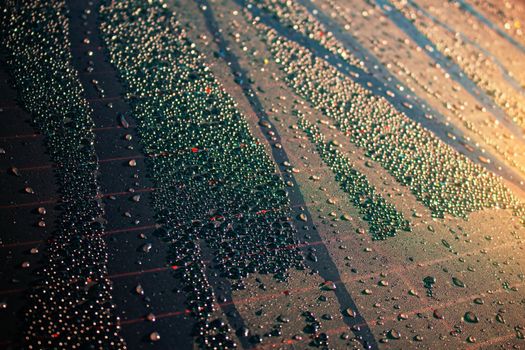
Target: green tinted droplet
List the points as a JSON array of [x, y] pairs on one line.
[[393, 334], [470, 317], [479, 301], [457, 282]]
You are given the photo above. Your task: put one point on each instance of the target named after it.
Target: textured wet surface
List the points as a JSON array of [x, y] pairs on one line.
[[262, 174]]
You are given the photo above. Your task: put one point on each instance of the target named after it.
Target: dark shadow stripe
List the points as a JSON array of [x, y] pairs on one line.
[[417, 113], [510, 79], [325, 266], [455, 71], [223, 292], [470, 9]]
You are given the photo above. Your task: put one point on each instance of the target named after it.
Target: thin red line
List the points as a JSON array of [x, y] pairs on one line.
[[407, 282], [8, 104], [391, 270], [34, 135], [163, 315], [373, 323], [107, 71], [105, 233], [140, 156], [107, 160], [12, 291], [114, 127], [356, 278], [131, 229], [36, 167], [136, 273], [492, 341], [297, 290], [18, 244], [30, 204], [136, 228], [123, 193], [53, 201], [23, 136], [104, 99], [113, 159]]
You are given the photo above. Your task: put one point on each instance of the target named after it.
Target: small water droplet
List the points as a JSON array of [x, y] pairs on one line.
[[437, 314], [393, 334], [350, 312], [147, 247], [302, 217], [328, 285], [470, 317], [458, 282], [154, 336], [123, 122], [139, 290]]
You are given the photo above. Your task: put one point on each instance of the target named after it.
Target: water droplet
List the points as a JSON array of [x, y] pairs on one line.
[[350, 312], [303, 217], [478, 301], [437, 314], [429, 281], [470, 317], [328, 285], [139, 290], [393, 334], [146, 247], [283, 319], [402, 316], [265, 124], [346, 217], [123, 122], [457, 282], [154, 336]]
